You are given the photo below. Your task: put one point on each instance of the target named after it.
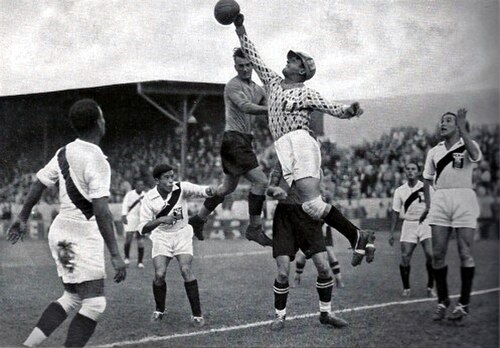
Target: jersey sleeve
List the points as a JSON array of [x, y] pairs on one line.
[[98, 177], [479, 157], [193, 190], [233, 91], [315, 101], [396, 201], [49, 175], [265, 74], [429, 167], [125, 204], [146, 213]]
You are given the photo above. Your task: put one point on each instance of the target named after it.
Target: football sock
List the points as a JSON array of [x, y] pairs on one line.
[[212, 202], [335, 267], [280, 296], [51, 318], [80, 330], [467, 274], [441, 284], [193, 296], [405, 276], [35, 338], [160, 293], [338, 221], [127, 250], [324, 286], [140, 254], [299, 267], [430, 275], [255, 204]]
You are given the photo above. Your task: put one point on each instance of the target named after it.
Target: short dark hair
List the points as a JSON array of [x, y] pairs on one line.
[[467, 124], [83, 115], [160, 169], [415, 163], [238, 52]]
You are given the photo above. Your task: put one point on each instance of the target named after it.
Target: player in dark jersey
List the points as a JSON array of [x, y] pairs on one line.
[[243, 99]]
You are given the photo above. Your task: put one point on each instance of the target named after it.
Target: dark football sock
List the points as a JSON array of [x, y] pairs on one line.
[[405, 276], [194, 297], [338, 221], [467, 274], [324, 286], [280, 294], [127, 250], [212, 202], [255, 204], [80, 330], [335, 267], [160, 294], [299, 267], [51, 318], [140, 254], [430, 275], [440, 275]]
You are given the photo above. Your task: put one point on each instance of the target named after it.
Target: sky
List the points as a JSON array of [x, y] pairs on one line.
[[363, 49]]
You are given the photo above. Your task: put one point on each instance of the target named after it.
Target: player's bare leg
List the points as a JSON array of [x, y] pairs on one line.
[[404, 267], [465, 240], [362, 242], [440, 238], [256, 199], [140, 249], [160, 264], [191, 287], [229, 184], [324, 286], [280, 289], [427, 246]]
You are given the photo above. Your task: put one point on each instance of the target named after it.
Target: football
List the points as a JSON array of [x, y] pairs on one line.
[[225, 11]]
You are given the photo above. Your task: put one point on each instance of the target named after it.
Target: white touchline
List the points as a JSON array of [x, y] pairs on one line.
[[267, 322]]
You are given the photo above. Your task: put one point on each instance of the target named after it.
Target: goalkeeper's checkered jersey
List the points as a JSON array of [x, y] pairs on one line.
[[290, 106]]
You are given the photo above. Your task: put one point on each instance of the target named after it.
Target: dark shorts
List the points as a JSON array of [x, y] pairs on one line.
[[237, 154], [293, 229], [88, 289]]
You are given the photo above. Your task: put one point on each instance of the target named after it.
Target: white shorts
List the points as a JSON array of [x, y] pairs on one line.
[[299, 155], [85, 246], [413, 231], [170, 244], [454, 208]]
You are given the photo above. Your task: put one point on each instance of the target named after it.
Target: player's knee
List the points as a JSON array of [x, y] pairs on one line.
[[438, 261], [93, 307], [466, 259], [324, 270], [405, 259], [159, 277], [186, 272], [282, 276], [315, 208], [69, 301]]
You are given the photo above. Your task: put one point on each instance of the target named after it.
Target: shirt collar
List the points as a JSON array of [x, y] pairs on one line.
[[89, 144]]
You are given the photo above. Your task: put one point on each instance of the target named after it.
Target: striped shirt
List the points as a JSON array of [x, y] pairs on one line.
[[83, 174], [450, 168], [238, 96], [289, 106]]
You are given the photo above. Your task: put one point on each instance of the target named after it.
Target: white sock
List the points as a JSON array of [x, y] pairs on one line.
[[325, 307], [35, 338], [280, 312]]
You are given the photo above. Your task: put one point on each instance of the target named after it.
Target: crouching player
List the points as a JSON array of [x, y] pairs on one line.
[[293, 229], [164, 214]]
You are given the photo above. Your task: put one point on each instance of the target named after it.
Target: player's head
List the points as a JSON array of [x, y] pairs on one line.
[[242, 64], [86, 117], [139, 185], [164, 176], [412, 170], [448, 125], [299, 66]]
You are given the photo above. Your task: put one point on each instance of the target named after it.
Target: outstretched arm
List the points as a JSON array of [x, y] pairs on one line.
[[18, 227], [472, 148], [266, 75], [241, 100], [315, 101]]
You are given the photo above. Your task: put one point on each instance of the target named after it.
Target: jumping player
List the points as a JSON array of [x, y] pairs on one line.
[[243, 98], [131, 208], [164, 214], [294, 230], [408, 203], [80, 230], [453, 206], [290, 104]]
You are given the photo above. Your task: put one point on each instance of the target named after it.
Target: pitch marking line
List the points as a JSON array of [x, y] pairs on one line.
[[268, 322]]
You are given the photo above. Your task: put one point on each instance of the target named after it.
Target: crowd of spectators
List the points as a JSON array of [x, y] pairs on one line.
[[368, 170]]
